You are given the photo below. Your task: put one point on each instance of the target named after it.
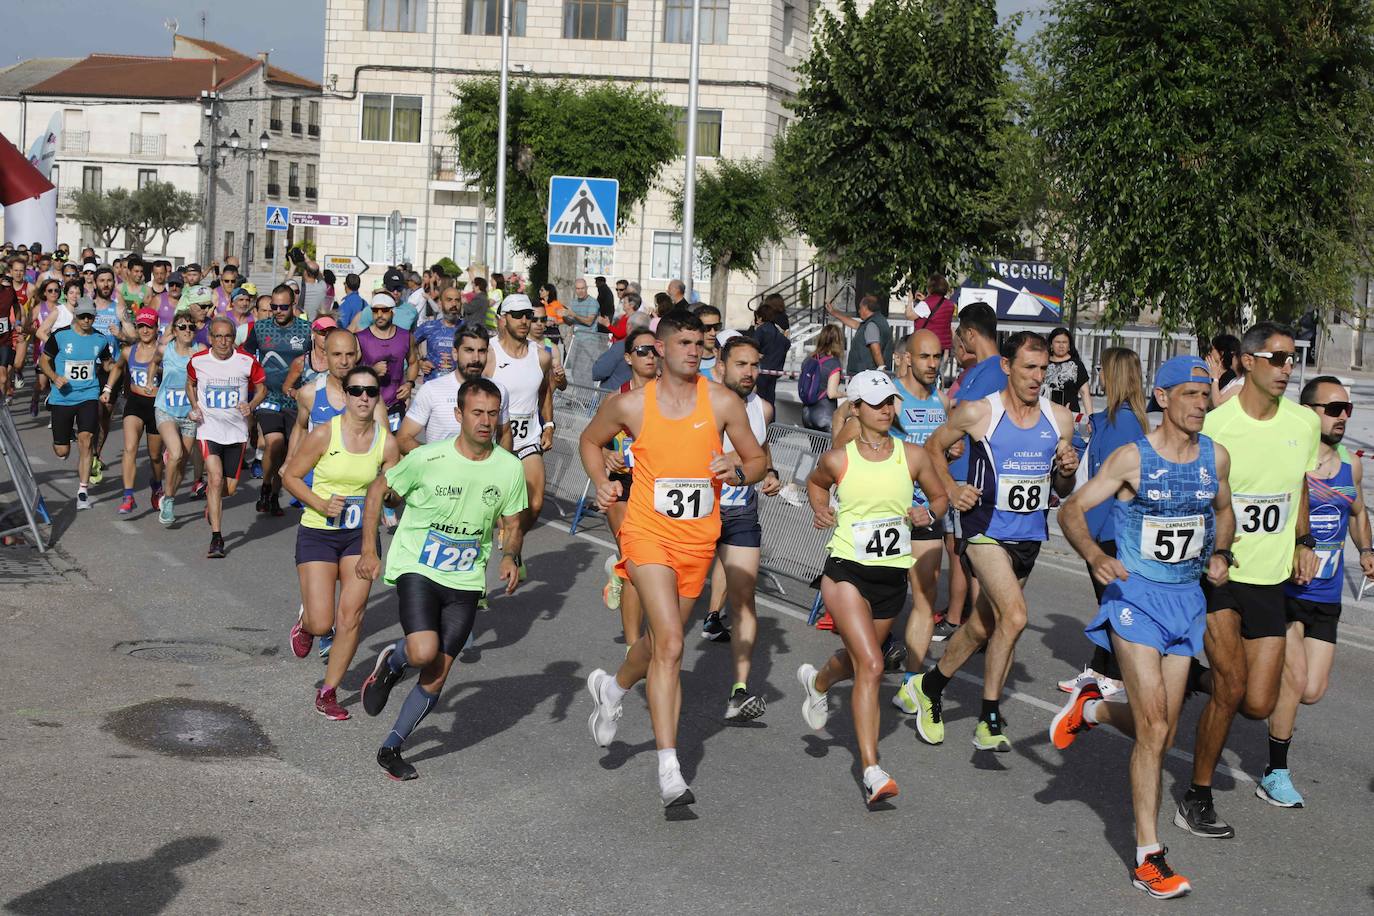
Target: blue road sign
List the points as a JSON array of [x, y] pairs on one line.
[[582, 211], [278, 218]]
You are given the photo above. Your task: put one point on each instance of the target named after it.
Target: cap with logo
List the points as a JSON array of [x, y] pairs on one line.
[[146, 318], [197, 295], [323, 323], [515, 302], [393, 279], [177, 278], [872, 386]]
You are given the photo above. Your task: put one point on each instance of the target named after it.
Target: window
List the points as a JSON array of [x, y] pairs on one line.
[[293, 179], [715, 22], [708, 131], [667, 258], [273, 179], [313, 124], [54, 175], [91, 179], [310, 180], [372, 240], [602, 20], [793, 19], [269, 251], [250, 249], [397, 15], [465, 243], [146, 177], [275, 121], [228, 244], [391, 118], [597, 262], [483, 17]]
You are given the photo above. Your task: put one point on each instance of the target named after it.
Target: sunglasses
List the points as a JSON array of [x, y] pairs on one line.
[[184, 327], [716, 327], [1336, 408], [375, 308], [540, 319], [360, 391], [1277, 359], [283, 307], [621, 289], [522, 315], [644, 350], [85, 318]]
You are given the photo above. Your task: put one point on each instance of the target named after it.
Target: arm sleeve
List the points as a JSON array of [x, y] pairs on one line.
[[420, 405], [401, 477], [517, 500]]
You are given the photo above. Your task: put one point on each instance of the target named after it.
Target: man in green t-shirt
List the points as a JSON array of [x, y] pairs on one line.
[[454, 491], [1273, 444]]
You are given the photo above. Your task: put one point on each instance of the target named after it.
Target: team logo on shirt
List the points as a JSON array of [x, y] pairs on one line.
[[1124, 617], [444, 489], [491, 496]]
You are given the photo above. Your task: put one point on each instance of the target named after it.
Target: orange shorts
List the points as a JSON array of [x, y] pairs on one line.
[[642, 550]]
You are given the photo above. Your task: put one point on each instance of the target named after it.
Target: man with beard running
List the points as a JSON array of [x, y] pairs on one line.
[[390, 352], [276, 344]]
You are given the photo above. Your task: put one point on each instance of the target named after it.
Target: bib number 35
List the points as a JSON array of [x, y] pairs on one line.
[[684, 498]]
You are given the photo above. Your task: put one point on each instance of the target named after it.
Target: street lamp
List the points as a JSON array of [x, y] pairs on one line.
[[248, 154]]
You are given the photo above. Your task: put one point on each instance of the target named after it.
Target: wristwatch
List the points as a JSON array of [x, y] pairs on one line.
[[739, 474], [1226, 555], [1306, 540]]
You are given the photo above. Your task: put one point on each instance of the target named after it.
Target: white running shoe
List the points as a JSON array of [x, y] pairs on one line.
[[673, 789], [605, 718], [83, 501], [878, 786], [611, 593], [1070, 684], [816, 706], [1113, 691]]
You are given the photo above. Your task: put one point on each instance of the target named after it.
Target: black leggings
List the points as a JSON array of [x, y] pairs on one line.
[[427, 606]]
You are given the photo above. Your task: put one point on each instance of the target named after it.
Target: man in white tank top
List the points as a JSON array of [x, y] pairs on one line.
[[523, 371]]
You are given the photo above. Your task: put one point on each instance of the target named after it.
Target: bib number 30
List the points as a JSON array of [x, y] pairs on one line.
[[684, 498], [1260, 514], [882, 539]]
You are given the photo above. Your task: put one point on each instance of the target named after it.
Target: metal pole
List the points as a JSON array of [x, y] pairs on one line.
[[247, 193], [213, 150], [500, 261], [689, 185]]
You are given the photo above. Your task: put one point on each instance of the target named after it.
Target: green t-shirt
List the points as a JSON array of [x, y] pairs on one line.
[[1269, 461], [452, 503]]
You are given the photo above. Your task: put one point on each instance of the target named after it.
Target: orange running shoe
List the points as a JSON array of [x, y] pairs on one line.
[[1157, 879], [1070, 722]]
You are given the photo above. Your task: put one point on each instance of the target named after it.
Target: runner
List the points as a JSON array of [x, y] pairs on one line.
[[435, 340], [167, 301], [13, 317], [306, 368], [709, 316], [865, 578], [672, 524], [438, 557], [1273, 444], [541, 334], [390, 351], [524, 372], [172, 412], [114, 319], [344, 457], [1020, 448], [1335, 507], [140, 363], [431, 411], [72, 360], [276, 344], [1172, 507], [132, 290], [223, 387]]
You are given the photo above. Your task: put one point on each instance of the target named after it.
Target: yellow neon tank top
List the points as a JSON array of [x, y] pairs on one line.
[[346, 474], [872, 527]]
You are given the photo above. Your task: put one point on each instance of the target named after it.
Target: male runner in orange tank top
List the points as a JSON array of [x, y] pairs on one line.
[[671, 524]]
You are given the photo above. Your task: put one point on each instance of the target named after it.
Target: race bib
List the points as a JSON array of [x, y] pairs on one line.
[[81, 371], [1329, 560], [176, 397], [1023, 494], [881, 539], [351, 518], [268, 405], [223, 397], [1171, 539], [139, 377], [445, 554], [731, 496], [4, 325], [1260, 514], [684, 497], [520, 425]]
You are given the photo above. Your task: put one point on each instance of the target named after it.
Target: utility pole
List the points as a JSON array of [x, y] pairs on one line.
[[689, 185], [500, 263], [210, 100]]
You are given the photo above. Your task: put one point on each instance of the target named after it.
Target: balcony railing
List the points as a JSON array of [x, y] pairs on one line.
[[293, 191], [311, 193], [147, 146], [76, 141], [275, 124], [445, 166], [273, 189], [314, 130], [297, 127]]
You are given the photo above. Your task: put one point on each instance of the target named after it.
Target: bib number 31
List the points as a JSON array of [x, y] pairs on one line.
[[882, 539], [684, 498]]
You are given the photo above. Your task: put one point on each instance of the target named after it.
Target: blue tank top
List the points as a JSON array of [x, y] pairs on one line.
[[138, 372], [1328, 513], [1166, 532], [919, 418], [79, 358], [171, 394], [106, 320], [1012, 467], [321, 411]]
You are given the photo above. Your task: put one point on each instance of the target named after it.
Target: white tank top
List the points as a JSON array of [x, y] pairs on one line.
[[733, 497], [522, 378]]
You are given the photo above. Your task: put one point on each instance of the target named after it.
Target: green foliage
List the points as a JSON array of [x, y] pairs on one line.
[[104, 213], [305, 245], [599, 130], [157, 207], [451, 270], [161, 208], [1207, 157], [737, 213], [895, 161]]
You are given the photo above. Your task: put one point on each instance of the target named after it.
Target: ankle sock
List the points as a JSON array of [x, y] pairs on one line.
[[1142, 851], [991, 712], [738, 685], [614, 692], [1278, 754], [1090, 711], [667, 759], [128, 491], [1198, 793]]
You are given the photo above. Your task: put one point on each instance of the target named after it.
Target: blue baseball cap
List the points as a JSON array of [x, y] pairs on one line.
[[1182, 369]]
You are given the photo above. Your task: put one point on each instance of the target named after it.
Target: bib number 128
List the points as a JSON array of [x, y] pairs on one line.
[[446, 554]]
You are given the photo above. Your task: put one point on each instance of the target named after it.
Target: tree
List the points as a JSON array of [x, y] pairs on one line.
[[157, 207], [165, 210], [598, 130], [737, 215], [103, 214], [1205, 156], [903, 116]]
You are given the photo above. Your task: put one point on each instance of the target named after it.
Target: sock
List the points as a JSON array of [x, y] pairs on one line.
[[417, 705], [614, 692], [128, 492], [81, 488], [1142, 851], [1198, 793], [667, 760], [909, 675], [738, 685], [1278, 754], [933, 684], [215, 534], [1090, 711], [397, 661], [990, 713]]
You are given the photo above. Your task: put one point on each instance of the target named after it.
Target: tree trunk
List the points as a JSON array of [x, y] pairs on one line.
[[563, 269], [720, 282], [1357, 347]]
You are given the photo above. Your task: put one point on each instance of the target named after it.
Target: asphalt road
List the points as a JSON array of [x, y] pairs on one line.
[[128, 790]]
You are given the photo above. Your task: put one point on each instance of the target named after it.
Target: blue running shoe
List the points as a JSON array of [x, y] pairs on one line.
[[256, 468], [326, 643], [1277, 789]]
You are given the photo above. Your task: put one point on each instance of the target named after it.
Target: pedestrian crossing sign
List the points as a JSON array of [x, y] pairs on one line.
[[582, 211], [278, 219]]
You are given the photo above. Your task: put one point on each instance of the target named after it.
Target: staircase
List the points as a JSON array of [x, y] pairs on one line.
[[807, 291]]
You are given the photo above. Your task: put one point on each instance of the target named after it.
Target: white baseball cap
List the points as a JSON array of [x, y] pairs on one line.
[[872, 386], [514, 302], [726, 336]]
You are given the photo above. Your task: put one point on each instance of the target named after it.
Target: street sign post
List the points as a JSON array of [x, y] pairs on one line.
[[344, 264], [328, 220], [395, 245], [582, 211], [278, 218]]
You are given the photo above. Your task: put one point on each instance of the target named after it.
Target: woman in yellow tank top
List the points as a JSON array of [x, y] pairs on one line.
[[864, 583], [345, 455]]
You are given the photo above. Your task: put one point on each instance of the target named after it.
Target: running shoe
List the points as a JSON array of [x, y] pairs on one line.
[[327, 705], [97, 470], [377, 688], [816, 706], [216, 551], [1069, 723], [274, 505], [198, 489], [1070, 684], [943, 630], [301, 640], [257, 469], [167, 512], [1199, 818], [614, 585], [83, 499], [743, 706], [261, 506], [894, 654], [155, 497], [930, 722], [984, 739], [673, 790], [714, 629], [1277, 789], [878, 786], [389, 759], [605, 718], [1157, 879], [905, 697], [1113, 690], [326, 643], [127, 505]]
